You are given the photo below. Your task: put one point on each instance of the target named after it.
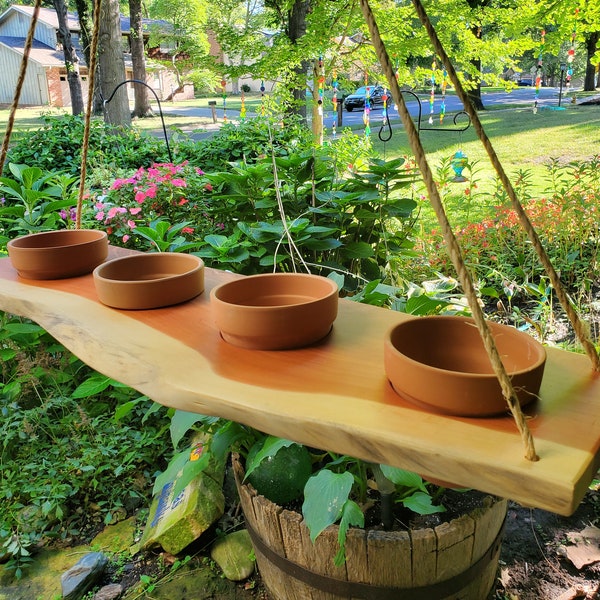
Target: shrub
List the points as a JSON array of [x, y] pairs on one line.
[[56, 146]]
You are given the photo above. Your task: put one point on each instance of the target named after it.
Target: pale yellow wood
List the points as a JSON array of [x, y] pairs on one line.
[[334, 395], [356, 555], [389, 558], [424, 556]]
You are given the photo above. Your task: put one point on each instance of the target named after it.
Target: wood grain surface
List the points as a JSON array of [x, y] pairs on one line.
[[332, 395]]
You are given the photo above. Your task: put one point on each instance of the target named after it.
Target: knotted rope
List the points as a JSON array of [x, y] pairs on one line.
[[88, 112], [20, 82], [449, 238]]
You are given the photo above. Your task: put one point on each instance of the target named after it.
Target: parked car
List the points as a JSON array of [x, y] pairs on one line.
[[357, 99], [525, 81]]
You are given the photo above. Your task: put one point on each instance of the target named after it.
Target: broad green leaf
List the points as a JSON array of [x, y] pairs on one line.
[[403, 478], [93, 385], [324, 497], [351, 515], [420, 503], [181, 423]]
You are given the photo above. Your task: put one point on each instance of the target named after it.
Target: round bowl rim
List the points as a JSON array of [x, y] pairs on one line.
[[13, 243], [199, 264], [541, 359], [215, 291]]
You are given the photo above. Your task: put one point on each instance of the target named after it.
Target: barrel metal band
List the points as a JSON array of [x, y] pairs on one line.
[[366, 591]]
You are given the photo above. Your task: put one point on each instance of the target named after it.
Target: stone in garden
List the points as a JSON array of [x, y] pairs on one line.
[[82, 576], [234, 554], [175, 522], [109, 592]]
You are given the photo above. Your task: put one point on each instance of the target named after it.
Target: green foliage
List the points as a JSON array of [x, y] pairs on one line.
[[56, 146], [62, 450], [35, 200], [246, 142]]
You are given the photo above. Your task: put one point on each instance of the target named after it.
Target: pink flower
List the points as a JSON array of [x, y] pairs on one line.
[[140, 196], [178, 182], [115, 210], [136, 210], [99, 216], [208, 187], [151, 192], [182, 201], [131, 224], [126, 238], [187, 230]]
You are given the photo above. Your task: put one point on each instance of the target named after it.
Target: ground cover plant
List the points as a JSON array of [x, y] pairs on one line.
[[348, 212]]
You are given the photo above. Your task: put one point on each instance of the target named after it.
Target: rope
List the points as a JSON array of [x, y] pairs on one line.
[[580, 329], [451, 242], [20, 82], [88, 112]]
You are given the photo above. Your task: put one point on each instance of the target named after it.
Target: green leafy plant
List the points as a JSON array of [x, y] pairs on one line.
[[35, 200]]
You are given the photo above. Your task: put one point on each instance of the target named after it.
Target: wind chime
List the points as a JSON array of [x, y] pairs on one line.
[[262, 98], [243, 107], [224, 96], [320, 96], [538, 76], [432, 93], [367, 111], [334, 100], [571, 52]]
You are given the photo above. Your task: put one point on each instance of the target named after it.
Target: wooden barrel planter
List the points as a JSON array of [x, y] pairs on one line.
[[454, 561]]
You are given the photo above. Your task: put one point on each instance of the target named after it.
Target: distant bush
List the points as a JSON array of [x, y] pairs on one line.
[[56, 146]]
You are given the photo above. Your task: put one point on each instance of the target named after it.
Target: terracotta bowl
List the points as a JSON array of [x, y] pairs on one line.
[[275, 311], [441, 362], [58, 254], [143, 281]]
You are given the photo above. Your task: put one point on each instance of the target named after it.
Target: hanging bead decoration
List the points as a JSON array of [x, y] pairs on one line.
[[367, 111], [538, 69], [224, 96], [262, 98], [334, 100], [443, 104], [321, 95], [432, 94], [571, 52], [243, 108]]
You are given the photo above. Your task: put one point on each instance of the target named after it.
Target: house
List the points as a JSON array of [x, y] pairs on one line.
[[46, 78]]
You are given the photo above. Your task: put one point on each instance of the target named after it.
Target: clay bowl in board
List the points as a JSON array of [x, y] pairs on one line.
[[275, 311], [58, 254], [143, 281], [441, 362]]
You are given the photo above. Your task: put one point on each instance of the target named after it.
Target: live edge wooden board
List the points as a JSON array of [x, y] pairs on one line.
[[333, 395]]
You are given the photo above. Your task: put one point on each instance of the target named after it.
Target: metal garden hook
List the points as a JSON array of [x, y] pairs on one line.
[[104, 102]]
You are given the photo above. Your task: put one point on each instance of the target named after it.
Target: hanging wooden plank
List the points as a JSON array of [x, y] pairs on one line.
[[333, 395]]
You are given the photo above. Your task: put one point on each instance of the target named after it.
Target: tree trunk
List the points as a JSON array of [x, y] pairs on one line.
[[86, 22], [138, 58], [591, 43], [111, 65], [474, 94], [71, 60], [296, 29]]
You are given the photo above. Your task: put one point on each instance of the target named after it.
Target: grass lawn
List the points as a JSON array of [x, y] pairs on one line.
[[524, 141]]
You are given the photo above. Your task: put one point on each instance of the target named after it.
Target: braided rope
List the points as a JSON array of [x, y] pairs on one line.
[[88, 112], [580, 329], [451, 242], [20, 82]]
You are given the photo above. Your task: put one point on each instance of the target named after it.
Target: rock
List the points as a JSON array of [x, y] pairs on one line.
[[82, 576], [109, 592], [174, 523], [233, 553]]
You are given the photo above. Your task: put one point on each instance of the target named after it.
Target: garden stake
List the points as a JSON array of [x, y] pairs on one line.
[[451, 242], [88, 112], [581, 331], [20, 82]]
